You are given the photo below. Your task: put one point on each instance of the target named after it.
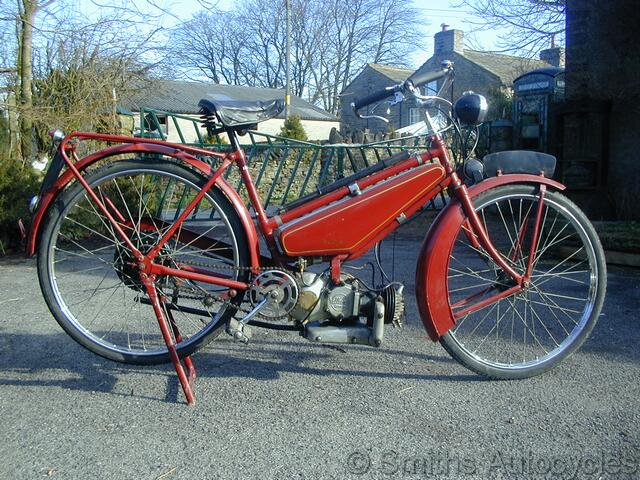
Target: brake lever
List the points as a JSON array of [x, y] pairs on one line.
[[378, 117], [397, 98], [364, 117], [431, 100]]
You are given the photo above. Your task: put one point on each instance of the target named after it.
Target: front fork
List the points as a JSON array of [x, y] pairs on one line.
[[480, 240]]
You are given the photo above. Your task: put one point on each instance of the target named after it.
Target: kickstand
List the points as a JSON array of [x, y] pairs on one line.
[[191, 369], [186, 381]]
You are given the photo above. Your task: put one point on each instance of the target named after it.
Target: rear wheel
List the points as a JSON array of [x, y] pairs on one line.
[[531, 331], [85, 268]]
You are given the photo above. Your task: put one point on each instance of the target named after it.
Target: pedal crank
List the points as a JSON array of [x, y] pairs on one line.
[[239, 331]]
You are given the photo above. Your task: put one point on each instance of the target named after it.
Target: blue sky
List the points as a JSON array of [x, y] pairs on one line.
[[436, 12]]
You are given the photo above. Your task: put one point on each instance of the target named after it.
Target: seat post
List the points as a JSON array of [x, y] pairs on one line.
[[233, 139]]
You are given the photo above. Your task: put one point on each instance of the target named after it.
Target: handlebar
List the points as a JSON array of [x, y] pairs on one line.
[[406, 86], [376, 96], [426, 77]]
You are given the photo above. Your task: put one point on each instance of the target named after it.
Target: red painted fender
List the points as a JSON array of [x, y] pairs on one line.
[[431, 271], [67, 177]]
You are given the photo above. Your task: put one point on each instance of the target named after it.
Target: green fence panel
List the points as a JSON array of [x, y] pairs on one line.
[[293, 168]]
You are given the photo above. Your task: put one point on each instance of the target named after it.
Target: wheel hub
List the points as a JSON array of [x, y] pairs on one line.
[[504, 281], [128, 267]]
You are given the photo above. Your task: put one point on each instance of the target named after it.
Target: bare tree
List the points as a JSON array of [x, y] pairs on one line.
[[264, 22], [64, 55], [81, 76], [361, 32], [210, 45], [306, 41], [27, 10], [331, 41], [528, 25]]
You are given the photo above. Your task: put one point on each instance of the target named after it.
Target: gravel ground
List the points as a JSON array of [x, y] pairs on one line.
[[285, 408]]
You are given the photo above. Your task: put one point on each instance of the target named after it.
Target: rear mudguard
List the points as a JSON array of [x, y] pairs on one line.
[[48, 197], [431, 271]]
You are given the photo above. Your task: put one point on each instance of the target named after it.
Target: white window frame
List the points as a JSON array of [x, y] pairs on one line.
[[415, 115]]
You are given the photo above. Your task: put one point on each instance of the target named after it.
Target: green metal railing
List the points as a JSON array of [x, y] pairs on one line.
[[283, 169]]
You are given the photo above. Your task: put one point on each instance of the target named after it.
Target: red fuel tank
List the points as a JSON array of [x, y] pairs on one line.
[[346, 226]]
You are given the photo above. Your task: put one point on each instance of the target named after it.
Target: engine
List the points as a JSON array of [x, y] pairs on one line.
[[348, 312]]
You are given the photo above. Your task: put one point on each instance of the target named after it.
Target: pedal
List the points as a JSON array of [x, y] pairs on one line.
[[239, 331]]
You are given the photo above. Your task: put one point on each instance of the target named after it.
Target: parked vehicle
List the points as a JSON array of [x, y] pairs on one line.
[[149, 256]]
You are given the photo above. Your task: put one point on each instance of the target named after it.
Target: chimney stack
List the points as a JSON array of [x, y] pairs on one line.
[[448, 41], [553, 56]]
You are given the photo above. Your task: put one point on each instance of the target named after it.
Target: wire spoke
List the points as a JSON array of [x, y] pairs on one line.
[[525, 329], [568, 271]]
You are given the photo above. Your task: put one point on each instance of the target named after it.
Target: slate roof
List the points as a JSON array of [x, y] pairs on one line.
[[396, 74], [507, 67], [183, 97]]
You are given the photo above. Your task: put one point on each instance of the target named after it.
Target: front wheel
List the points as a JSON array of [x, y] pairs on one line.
[[529, 332]]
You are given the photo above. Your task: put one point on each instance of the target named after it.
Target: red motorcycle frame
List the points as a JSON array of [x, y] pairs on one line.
[[396, 192], [470, 265]]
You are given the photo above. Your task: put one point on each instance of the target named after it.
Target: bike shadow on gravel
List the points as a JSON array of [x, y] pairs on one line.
[[54, 360]]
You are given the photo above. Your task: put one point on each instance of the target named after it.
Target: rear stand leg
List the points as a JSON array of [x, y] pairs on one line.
[[185, 381], [187, 359]]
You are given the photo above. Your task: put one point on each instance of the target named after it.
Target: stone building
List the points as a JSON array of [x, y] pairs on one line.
[[475, 70], [179, 97], [602, 115], [372, 78]]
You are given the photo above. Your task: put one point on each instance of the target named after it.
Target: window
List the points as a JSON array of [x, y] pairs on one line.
[[151, 125], [164, 124], [415, 116], [431, 88]]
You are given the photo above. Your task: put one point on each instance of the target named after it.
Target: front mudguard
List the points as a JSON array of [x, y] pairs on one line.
[[50, 192], [431, 271]]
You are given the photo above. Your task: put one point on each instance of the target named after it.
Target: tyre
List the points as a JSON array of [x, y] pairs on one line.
[[85, 269], [529, 332]]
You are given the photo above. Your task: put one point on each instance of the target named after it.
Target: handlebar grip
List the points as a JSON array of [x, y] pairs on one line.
[[375, 97], [427, 77]]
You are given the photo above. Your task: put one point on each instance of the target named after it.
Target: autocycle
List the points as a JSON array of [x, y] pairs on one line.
[[510, 278]]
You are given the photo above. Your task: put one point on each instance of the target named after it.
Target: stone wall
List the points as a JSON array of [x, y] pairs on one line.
[[367, 82], [341, 156], [468, 75], [602, 68], [278, 179]]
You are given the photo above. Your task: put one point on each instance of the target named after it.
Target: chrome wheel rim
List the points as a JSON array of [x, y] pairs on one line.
[[115, 315], [535, 326]]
